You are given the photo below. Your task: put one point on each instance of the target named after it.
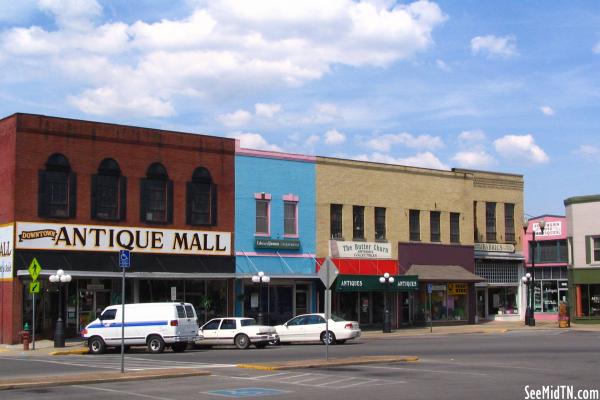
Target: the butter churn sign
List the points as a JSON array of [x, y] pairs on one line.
[[340, 249], [41, 236]]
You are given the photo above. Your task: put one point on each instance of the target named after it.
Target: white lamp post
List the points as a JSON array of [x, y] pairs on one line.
[[386, 280], [60, 278], [530, 312], [260, 278]]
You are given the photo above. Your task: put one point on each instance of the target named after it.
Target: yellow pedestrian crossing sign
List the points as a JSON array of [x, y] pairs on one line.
[[34, 287], [34, 270]]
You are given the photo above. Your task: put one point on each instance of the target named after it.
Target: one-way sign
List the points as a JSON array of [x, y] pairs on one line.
[[328, 273]]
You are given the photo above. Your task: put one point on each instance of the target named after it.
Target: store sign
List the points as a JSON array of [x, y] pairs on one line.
[[41, 236], [6, 251], [370, 283], [373, 250], [457, 289], [552, 228], [495, 247], [277, 244]]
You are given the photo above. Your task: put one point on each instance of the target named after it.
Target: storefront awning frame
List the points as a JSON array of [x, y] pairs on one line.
[[443, 273]]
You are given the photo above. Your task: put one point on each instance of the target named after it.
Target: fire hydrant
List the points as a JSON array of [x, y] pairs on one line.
[[25, 339]]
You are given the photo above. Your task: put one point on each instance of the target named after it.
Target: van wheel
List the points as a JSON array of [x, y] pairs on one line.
[[329, 337], [156, 344], [242, 341], [178, 347], [96, 345]]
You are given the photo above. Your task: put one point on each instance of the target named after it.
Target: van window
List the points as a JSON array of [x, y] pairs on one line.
[[189, 310], [108, 314], [228, 324], [180, 312]]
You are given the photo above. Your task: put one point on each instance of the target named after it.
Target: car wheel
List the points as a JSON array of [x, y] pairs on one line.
[[329, 336], [260, 345], [156, 344], [242, 341], [179, 347], [96, 345]]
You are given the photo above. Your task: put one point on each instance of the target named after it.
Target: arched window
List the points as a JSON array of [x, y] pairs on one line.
[[201, 199], [57, 190], [156, 195], [109, 192]]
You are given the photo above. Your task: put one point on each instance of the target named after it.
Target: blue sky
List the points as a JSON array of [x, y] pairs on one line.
[[507, 86]]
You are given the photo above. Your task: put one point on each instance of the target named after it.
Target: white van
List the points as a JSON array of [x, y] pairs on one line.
[[155, 325]]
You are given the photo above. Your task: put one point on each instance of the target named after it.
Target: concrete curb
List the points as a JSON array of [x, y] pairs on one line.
[[103, 377], [78, 350], [336, 362]]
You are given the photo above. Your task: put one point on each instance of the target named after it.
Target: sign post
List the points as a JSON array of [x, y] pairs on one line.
[[34, 287], [124, 263], [327, 273], [429, 290]]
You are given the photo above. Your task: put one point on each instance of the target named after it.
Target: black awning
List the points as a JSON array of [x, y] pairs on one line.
[[140, 262]]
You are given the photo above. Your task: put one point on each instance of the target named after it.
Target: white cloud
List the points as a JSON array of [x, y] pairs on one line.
[[520, 148], [254, 141], [312, 140], [547, 110], [106, 101], [334, 137], [442, 65], [476, 135], [385, 142], [596, 48], [219, 49], [266, 110], [473, 159], [423, 160], [237, 118], [589, 152], [494, 46]]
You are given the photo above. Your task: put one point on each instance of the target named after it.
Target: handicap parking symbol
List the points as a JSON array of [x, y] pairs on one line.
[[247, 392]]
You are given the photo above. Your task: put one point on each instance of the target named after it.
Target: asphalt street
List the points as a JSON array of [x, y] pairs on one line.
[[466, 366]]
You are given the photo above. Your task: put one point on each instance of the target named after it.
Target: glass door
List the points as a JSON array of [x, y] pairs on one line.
[[364, 308]]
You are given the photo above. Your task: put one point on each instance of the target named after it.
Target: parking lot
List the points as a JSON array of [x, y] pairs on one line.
[[453, 366]]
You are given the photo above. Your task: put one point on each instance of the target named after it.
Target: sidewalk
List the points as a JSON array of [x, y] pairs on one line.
[[44, 347], [484, 328]]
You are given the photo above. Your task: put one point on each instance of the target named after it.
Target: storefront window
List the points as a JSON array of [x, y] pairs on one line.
[[550, 296], [590, 300], [438, 303], [503, 300]]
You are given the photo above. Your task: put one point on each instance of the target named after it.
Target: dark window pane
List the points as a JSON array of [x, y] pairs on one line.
[[335, 215], [509, 222], [180, 312], [596, 249], [434, 225], [358, 222], [200, 203], [490, 222], [228, 324], [289, 218], [262, 216], [189, 311], [455, 227], [107, 197], [414, 225], [379, 223], [155, 197]]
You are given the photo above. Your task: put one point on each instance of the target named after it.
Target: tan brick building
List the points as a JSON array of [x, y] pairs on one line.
[[374, 218]]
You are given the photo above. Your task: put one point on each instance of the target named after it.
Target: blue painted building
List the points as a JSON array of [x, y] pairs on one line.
[[275, 233]]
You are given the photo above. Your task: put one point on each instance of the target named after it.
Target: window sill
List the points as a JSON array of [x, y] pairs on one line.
[[262, 235], [359, 239], [291, 236], [384, 240], [340, 239]]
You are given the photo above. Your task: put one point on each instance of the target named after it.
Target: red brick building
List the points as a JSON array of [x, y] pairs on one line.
[[75, 192]]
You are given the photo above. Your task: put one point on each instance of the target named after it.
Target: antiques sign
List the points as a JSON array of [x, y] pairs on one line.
[[374, 250], [43, 236]]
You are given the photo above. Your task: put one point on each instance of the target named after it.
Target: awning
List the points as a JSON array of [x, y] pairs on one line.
[[443, 273]]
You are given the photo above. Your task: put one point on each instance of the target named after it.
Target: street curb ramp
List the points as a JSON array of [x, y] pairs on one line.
[[97, 377], [334, 362]]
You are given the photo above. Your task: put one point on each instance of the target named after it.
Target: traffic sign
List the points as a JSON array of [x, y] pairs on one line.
[[34, 270], [429, 287], [328, 273], [124, 259], [34, 287]]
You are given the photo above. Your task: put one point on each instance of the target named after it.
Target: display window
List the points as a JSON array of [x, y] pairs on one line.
[[503, 300], [449, 302], [590, 300]]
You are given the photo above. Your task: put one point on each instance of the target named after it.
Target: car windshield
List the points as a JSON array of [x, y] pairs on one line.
[[335, 318], [248, 322]]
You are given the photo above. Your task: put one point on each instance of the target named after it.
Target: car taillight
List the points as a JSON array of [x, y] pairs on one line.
[[174, 322], [83, 332], [348, 326]]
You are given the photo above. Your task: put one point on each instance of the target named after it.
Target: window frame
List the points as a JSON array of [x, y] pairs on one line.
[[435, 230], [358, 222], [57, 173], [509, 223], [267, 217], [454, 227], [336, 221], [293, 203], [201, 185], [380, 223], [414, 225], [156, 175], [596, 248], [490, 222], [109, 169]]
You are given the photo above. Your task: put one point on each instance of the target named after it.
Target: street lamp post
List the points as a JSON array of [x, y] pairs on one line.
[[530, 313], [60, 278], [526, 279], [260, 278], [386, 280]]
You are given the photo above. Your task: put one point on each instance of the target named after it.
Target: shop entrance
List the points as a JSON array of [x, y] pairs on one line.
[[481, 314]]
